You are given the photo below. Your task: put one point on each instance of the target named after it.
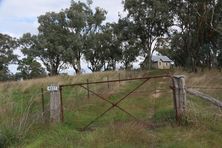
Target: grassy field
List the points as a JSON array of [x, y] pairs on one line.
[[22, 124]]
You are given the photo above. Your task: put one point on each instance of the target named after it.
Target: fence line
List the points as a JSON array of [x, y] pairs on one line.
[[112, 81], [200, 87], [205, 97]]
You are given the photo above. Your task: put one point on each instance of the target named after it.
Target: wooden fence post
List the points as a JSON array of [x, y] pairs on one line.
[[43, 103], [119, 78], [55, 103], [108, 81], [88, 95], [179, 93]]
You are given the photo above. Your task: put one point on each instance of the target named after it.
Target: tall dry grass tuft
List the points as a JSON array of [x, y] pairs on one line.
[[133, 132], [119, 134], [14, 127], [201, 117]]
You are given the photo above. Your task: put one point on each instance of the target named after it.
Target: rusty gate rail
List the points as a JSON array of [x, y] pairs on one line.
[[122, 80], [105, 99]]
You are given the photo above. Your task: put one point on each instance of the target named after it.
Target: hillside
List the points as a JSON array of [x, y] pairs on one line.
[[22, 124]]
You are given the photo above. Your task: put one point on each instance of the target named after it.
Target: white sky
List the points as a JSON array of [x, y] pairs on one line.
[[20, 16]]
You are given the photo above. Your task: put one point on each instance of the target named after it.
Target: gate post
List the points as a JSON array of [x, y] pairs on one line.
[[55, 103], [179, 94]]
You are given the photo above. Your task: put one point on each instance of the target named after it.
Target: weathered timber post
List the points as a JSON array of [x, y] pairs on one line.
[[43, 103], [88, 95], [55, 103], [119, 78], [108, 81], [179, 93], [62, 109]]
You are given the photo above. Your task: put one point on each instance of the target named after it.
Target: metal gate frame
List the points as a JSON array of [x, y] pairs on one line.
[[145, 79]]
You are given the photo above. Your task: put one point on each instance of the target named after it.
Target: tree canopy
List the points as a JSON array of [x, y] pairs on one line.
[[187, 31], [7, 46]]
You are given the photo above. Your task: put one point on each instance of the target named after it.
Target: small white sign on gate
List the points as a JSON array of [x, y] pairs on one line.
[[52, 88]]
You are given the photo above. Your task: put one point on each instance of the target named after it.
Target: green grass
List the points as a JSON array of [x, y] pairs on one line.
[[21, 123]]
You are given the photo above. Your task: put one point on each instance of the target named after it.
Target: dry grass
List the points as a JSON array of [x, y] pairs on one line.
[[207, 78], [121, 134], [115, 129], [208, 82], [27, 84]]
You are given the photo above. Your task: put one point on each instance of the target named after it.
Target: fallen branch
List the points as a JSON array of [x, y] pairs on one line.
[[205, 97]]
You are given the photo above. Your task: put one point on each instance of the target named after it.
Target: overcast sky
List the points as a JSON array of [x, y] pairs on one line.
[[20, 16]]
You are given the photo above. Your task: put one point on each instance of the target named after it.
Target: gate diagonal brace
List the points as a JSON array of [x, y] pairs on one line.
[[113, 104]]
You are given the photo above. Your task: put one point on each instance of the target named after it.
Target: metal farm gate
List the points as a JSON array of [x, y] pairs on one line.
[[177, 87]]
